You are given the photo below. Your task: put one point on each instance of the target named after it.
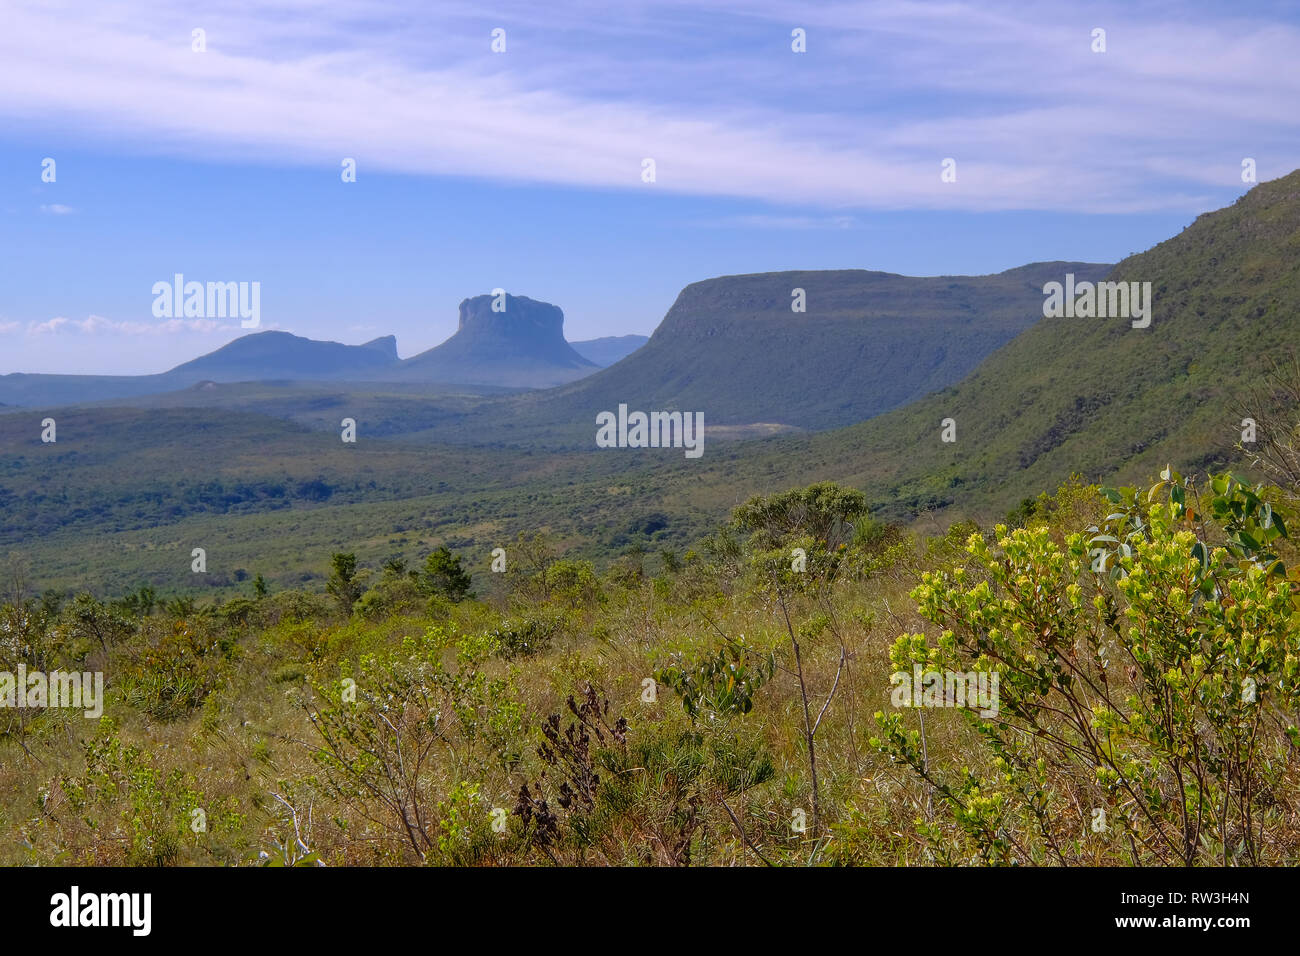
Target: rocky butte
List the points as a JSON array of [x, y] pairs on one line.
[[504, 340]]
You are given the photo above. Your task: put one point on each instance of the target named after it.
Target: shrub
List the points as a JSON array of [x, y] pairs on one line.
[[1148, 679], [176, 673], [525, 636], [153, 808], [721, 684], [572, 584]]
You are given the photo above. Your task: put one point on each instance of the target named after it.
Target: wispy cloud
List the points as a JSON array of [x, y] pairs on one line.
[[98, 325], [57, 209], [709, 89]]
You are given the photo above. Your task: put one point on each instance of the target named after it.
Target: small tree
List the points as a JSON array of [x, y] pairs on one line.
[[824, 511], [376, 751], [819, 522], [444, 575], [90, 618], [138, 604], [343, 584], [572, 583], [530, 557]]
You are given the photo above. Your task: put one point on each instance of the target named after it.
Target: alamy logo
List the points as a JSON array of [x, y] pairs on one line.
[[103, 909], [653, 430], [946, 689], [57, 689], [1102, 300], [213, 300]]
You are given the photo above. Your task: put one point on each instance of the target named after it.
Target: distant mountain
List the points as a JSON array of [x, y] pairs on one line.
[[734, 348], [522, 345], [1088, 395], [610, 349], [731, 347], [260, 356], [281, 355]]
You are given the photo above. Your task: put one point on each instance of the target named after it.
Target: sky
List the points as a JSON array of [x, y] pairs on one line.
[[524, 168]]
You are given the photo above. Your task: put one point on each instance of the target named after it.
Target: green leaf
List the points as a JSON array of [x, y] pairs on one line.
[[1202, 554]]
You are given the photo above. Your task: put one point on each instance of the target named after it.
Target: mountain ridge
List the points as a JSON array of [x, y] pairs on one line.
[[732, 347], [1095, 397], [274, 355]]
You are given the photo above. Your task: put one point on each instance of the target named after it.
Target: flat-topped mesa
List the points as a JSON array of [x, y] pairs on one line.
[[503, 339], [516, 320], [512, 311], [815, 349]]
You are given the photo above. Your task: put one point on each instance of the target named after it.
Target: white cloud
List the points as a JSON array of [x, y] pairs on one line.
[[709, 89], [98, 325], [56, 209]]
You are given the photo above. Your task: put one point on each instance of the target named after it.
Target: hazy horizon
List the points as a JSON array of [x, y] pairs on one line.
[[523, 169]]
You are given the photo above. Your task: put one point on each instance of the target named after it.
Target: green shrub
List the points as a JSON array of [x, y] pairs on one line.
[[1148, 679], [176, 672], [526, 635], [721, 684]]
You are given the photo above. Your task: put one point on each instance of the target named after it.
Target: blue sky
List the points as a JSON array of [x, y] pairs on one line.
[[522, 169]]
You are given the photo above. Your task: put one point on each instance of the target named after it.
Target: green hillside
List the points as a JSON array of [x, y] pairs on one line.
[[733, 348], [1087, 395], [1094, 396]]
